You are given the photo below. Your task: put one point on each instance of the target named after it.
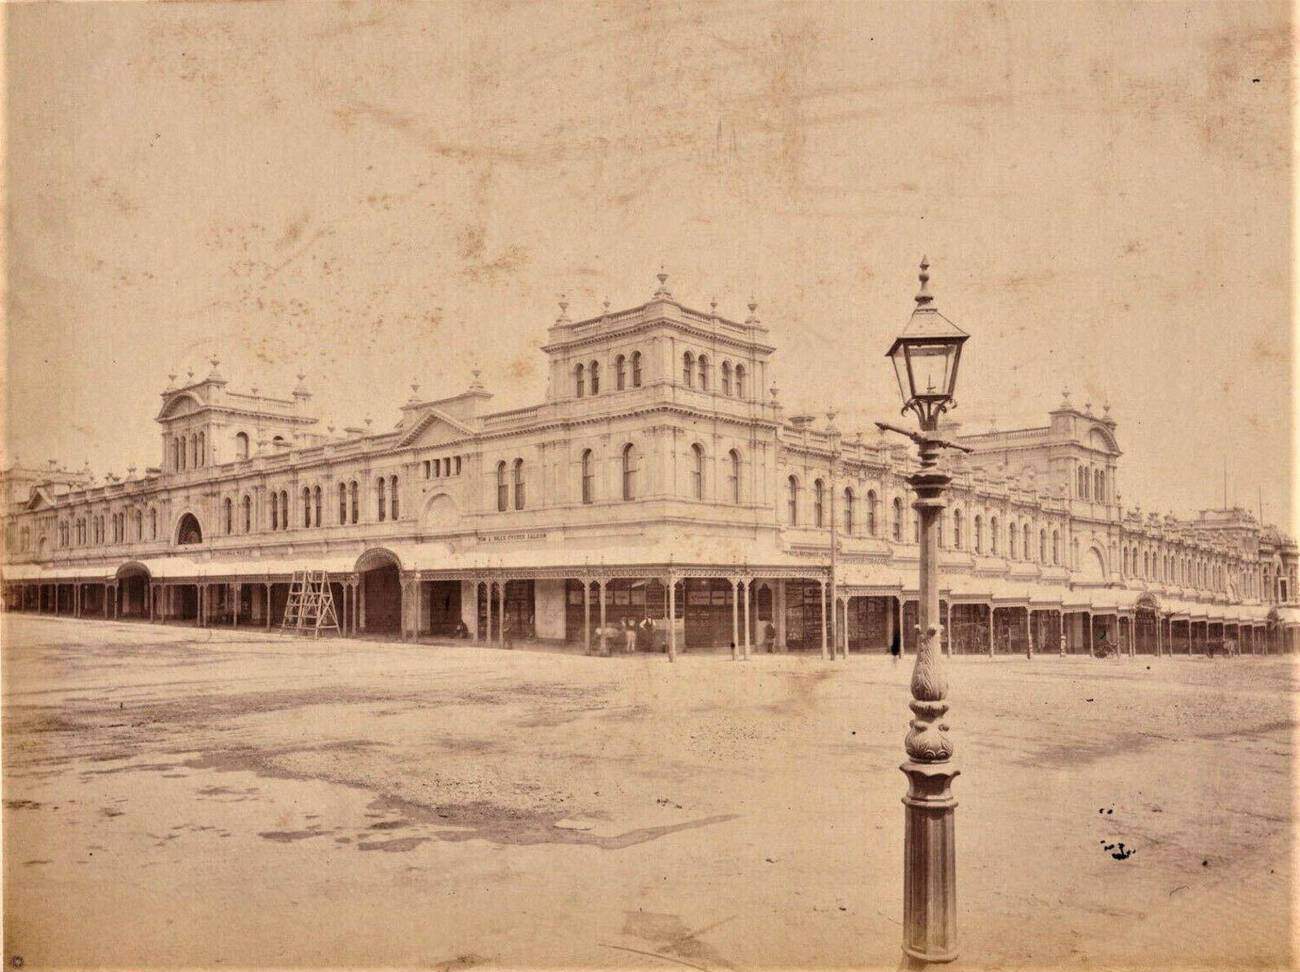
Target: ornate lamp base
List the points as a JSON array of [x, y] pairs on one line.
[[929, 864]]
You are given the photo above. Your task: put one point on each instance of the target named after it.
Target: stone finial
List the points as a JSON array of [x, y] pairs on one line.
[[1065, 398], [301, 391], [130, 472], [564, 310], [773, 389], [753, 312], [604, 306], [215, 373], [663, 292], [189, 372], [923, 296], [476, 383], [369, 420], [171, 381], [415, 391], [1087, 408]]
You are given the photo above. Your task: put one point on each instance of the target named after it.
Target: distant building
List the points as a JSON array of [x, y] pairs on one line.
[[658, 478]]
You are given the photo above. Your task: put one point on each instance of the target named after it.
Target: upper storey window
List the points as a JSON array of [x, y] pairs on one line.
[[704, 372], [636, 369], [580, 377], [740, 381], [241, 445], [595, 377], [688, 370], [629, 471], [620, 372], [726, 378]]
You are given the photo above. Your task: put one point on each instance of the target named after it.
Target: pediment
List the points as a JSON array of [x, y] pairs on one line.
[[183, 404], [435, 428], [40, 499]]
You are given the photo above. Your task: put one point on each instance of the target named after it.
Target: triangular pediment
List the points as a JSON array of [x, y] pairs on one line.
[[40, 499], [434, 428]]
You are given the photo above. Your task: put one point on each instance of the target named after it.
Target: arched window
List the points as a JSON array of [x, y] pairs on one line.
[[620, 372], [519, 484], [284, 509], [229, 515], [194, 451], [579, 378], [704, 372], [503, 488], [594, 368], [979, 534], [916, 529], [343, 503], [898, 520], [203, 450], [316, 498], [697, 471], [1026, 549], [636, 369], [588, 481], [688, 369], [873, 512], [1099, 486], [356, 501], [993, 535], [848, 510], [629, 471], [819, 490], [241, 445], [248, 514], [457, 465], [740, 381], [1011, 541], [1042, 546], [792, 500], [139, 524], [1146, 564], [275, 511], [956, 529], [183, 451], [381, 498], [392, 489], [1056, 547], [176, 454], [726, 378], [306, 506], [735, 476]]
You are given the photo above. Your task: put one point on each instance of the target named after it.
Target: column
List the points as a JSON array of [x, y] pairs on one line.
[[604, 643], [735, 618], [586, 615], [418, 590], [992, 646], [501, 613], [267, 606], [778, 608], [236, 589], [749, 590], [1029, 633], [824, 620], [890, 606], [672, 618]]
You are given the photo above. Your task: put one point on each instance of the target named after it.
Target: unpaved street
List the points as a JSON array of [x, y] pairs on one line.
[[177, 797]]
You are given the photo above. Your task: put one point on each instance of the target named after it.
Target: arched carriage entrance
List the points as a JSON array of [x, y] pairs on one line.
[[380, 608], [133, 591]]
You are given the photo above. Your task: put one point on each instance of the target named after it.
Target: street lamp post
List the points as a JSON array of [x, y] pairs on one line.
[[925, 357], [833, 435]]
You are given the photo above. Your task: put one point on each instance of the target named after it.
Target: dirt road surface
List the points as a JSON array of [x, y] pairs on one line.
[[202, 798]]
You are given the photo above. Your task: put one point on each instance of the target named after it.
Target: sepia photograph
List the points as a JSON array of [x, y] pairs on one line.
[[649, 485]]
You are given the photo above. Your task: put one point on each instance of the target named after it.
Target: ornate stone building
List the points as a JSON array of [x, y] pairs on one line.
[[658, 478]]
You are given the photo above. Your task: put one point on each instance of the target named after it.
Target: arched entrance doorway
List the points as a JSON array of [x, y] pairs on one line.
[[188, 530], [1145, 614], [380, 609], [133, 591]]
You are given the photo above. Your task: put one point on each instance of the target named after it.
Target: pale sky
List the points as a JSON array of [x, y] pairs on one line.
[[380, 195]]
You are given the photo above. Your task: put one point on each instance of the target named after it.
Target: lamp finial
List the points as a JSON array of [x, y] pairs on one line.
[[923, 296]]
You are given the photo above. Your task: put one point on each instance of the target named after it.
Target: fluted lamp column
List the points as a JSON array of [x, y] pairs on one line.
[[925, 357]]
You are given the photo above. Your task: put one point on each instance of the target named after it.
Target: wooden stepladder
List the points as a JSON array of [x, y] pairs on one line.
[[311, 604]]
